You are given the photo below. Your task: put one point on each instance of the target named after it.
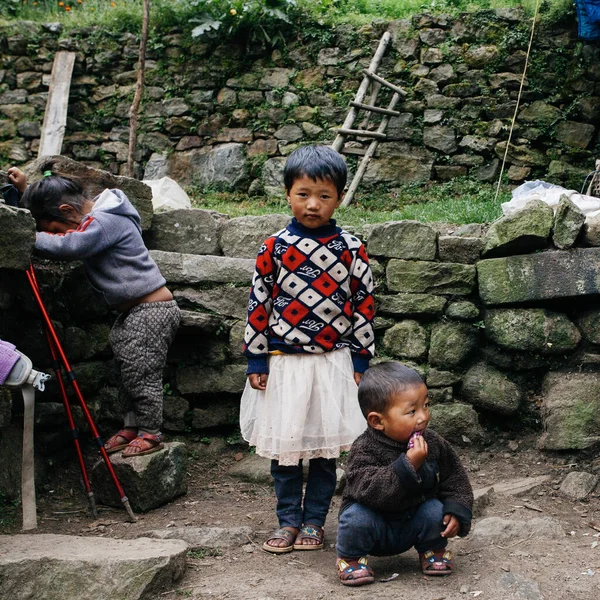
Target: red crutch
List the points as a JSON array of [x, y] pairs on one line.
[[56, 348]]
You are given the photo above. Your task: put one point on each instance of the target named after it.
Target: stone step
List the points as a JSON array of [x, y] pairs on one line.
[[204, 537], [43, 566], [148, 481]]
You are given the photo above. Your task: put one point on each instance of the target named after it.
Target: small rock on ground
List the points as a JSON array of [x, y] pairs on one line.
[[204, 537], [578, 484]]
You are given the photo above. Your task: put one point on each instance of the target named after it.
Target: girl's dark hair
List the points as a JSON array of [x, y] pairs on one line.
[[316, 162], [44, 197], [383, 381]]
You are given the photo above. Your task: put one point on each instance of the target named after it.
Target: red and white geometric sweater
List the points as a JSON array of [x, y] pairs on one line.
[[311, 292]]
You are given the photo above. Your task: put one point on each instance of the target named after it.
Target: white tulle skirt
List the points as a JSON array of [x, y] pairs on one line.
[[309, 409]]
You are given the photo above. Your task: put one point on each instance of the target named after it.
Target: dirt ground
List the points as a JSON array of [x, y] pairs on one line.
[[554, 569]]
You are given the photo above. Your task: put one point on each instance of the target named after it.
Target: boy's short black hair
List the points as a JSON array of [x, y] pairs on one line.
[[381, 382], [316, 162]]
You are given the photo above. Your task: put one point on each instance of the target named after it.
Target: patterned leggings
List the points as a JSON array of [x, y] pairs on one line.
[[140, 339]]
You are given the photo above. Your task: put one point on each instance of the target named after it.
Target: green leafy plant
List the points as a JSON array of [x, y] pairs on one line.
[[253, 20]]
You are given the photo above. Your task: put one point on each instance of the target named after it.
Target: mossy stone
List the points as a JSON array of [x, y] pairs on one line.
[[488, 388], [462, 311], [411, 304], [568, 223], [451, 344], [406, 339], [455, 422], [422, 277], [531, 330], [523, 231]]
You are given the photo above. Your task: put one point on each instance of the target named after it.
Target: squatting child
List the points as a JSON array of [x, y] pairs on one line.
[[308, 339], [105, 233], [405, 485]]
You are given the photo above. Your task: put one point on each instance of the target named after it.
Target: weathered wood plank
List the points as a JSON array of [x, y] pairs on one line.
[[55, 117]]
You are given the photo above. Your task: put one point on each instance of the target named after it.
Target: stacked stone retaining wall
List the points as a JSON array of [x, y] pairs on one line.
[[502, 321], [221, 115]]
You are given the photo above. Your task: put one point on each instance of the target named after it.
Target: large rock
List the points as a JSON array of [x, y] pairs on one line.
[[95, 181], [591, 231], [186, 230], [243, 236], [223, 300], [148, 481], [272, 176], [522, 156], [540, 276], [488, 388], [531, 330], [430, 277], [578, 484], [575, 134], [202, 323], [198, 538], [222, 166], [17, 238], [411, 304], [399, 164], [47, 566], [451, 344], [193, 268], [403, 239], [455, 422], [253, 469], [571, 411], [407, 339], [457, 249], [203, 380], [440, 137], [568, 222], [462, 311], [523, 231], [540, 112]]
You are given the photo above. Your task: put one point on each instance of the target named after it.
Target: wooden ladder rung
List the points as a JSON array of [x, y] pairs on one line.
[[354, 151], [375, 109], [382, 81], [363, 133]]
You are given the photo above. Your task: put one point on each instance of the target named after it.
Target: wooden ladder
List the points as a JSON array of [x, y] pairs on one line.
[[376, 82]]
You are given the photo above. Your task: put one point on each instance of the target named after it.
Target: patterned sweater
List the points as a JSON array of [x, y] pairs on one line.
[[311, 292], [379, 476]]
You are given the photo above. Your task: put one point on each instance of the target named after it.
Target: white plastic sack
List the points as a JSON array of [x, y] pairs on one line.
[[550, 194], [167, 194]]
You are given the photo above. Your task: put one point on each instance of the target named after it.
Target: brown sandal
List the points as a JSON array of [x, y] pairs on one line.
[[144, 443], [309, 532], [355, 572], [437, 562], [281, 534], [113, 444]]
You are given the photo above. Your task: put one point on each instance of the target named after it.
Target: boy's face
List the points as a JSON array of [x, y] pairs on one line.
[[408, 412], [313, 202]]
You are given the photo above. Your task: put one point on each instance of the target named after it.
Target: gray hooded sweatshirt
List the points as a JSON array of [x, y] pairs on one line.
[[109, 242]]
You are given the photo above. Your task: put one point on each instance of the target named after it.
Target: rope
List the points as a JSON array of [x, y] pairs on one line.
[[512, 125]]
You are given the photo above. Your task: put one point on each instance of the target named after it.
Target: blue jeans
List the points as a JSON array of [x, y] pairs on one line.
[[363, 531], [320, 487]]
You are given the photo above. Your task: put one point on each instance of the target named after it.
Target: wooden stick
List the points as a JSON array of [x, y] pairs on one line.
[[139, 88], [363, 133], [376, 109], [383, 81]]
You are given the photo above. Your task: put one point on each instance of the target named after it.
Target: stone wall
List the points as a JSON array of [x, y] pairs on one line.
[[502, 321], [226, 116]]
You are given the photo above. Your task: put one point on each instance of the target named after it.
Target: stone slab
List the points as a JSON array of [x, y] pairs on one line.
[[186, 230], [543, 276], [504, 529], [192, 268], [47, 566], [205, 380], [204, 537], [430, 277], [514, 487], [411, 304], [403, 239], [242, 237], [223, 300]]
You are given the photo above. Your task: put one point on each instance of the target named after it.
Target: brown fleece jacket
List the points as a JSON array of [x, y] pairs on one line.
[[379, 476]]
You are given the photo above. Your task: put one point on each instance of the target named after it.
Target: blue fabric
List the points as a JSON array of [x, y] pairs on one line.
[[320, 487], [11, 195], [588, 19], [363, 531]]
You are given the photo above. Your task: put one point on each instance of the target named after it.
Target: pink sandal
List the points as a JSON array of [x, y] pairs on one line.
[[114, 444], [144, 443]]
